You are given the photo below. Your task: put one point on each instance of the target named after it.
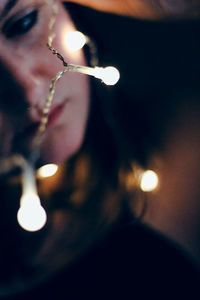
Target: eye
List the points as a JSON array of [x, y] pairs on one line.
[[13, 28]]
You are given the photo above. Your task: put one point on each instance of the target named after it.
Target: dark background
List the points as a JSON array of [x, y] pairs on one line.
[[160, 66]]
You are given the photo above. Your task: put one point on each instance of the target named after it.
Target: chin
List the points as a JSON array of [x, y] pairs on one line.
[[57, 150]]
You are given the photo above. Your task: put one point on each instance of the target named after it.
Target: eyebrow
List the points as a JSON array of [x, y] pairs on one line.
[[9, 5]]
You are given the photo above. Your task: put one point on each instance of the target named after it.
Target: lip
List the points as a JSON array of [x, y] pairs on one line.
[[27, 133], [55, 113]]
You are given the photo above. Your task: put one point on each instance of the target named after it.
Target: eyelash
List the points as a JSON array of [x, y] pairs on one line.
[[14, 28]]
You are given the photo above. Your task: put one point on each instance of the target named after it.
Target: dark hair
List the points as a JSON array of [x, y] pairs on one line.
[[159, 64]]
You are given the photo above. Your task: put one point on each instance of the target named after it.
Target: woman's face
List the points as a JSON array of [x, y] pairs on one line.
[[26, 70]]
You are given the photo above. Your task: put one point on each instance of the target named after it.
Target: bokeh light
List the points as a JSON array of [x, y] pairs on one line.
[[75, 40], [148, 181], [47, 170], [31, 215]]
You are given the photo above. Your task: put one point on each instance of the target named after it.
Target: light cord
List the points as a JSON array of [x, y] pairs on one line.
[[100, 73]]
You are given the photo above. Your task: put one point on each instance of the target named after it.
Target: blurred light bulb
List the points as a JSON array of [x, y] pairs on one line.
[[31, 215], [148, 181], [75, 40], [109, 75], [47, 170]]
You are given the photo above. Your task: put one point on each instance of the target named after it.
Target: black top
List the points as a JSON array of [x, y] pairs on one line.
[[131, 262]]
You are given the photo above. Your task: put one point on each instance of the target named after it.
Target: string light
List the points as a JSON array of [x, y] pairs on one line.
[[148, 181], [47, 170], [75, 40], [31, 215], [109, 75]]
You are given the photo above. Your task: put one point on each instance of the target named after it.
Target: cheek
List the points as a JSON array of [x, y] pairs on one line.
[[62, 143], [65, 139]]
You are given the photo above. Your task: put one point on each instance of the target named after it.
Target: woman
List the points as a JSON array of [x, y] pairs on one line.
[[22, 26], [89, 235]]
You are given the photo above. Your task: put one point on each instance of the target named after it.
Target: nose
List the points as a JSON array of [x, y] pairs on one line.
[[23, 85]]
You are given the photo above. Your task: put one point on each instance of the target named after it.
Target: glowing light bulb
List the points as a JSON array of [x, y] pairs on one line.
[[148, 181], [109, 75], [31, 215], [47, 170], [75, 40]]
